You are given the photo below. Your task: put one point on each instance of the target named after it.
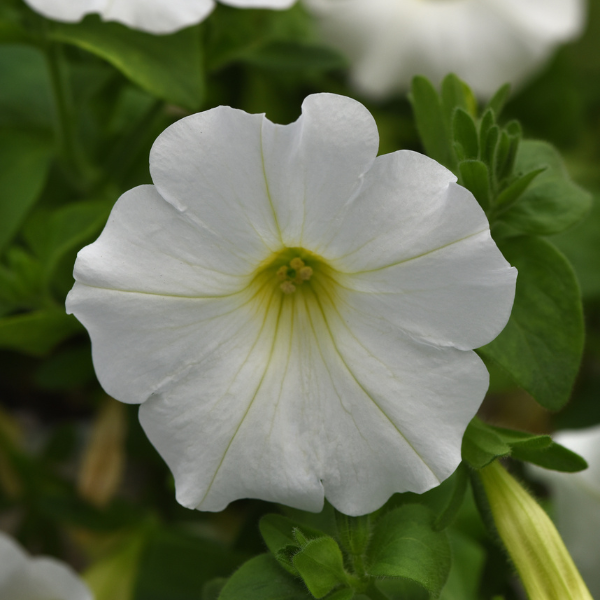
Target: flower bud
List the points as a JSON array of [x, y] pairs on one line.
[[535, 547]]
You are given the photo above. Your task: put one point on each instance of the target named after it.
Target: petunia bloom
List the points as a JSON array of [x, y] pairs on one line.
[[577, 503], [43, 578], [295, 315], [153, 16], [485, 42]]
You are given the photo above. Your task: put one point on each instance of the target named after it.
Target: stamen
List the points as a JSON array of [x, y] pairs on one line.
[[293, 275], [287, 287]]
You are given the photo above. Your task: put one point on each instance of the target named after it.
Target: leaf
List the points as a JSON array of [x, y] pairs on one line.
[[27, 101], [554, 457], [52, 234], [552, 202], [467, 568], [321, 566], [294, 56], [431, 123], [542, 343], [278, 532], [481, 445], [213, 588], [404, 544], [24, 164], [474, 175], [167, 66], [36, 333], [515, 190], [261, 578], [449, 513], [464, 132], [176, 565], [457, 94], [499, 99]]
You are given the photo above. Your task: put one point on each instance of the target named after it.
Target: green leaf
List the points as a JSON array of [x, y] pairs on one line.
[[27, 100], [401, 589], [457, 94], [467, 568], [24, 164], [474, 175], [515, 190], [176, 565], [481, 445], [345, 594], [52, 234], [278, 532], [464, 132], [541, 345], [213, 588], [431, 122], [554, 457], [167, 66], [552, 202], [261, 578], [405, 545], [294, 56], [499, 99], [489, 146], [36, 333], [449, 513], [321, 566], [521, 439]]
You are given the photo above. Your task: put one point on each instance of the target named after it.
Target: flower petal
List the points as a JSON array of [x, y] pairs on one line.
[[66, 10], [418, 253], [158, 16], [209, 166], [316, 164], [150, 247], [315, 410], [275, 4], [13, 566]]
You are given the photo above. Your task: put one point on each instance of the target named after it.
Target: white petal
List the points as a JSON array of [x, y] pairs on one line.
[[415, 249], [305, 407], [315, 165], [210, 167], [25, 578], [275, 4], [66, 10], [150, 247], [485, 42], [158, 16]]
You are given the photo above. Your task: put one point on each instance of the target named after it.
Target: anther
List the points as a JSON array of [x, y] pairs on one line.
[[282, 273], [305, 273], [296, 263], [287, 287]]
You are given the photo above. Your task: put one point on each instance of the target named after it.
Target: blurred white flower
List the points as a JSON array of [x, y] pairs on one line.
[[295, 314], [43, 578], [153, 16], [485, 42], [577, 503]]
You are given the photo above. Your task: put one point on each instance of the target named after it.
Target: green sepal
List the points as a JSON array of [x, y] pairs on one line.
[[474, 175], [552, 202], [542, 344], [432, 125], [499, 99], [489, 146], [464, 132], [321, 565], [261, 578], [353, 532], [481, 445], [404, 544]]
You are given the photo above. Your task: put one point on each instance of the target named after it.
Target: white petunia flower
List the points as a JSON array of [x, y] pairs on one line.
[[153, 16], [485, 42], [295, 314], [577, 503], [43, 578]]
